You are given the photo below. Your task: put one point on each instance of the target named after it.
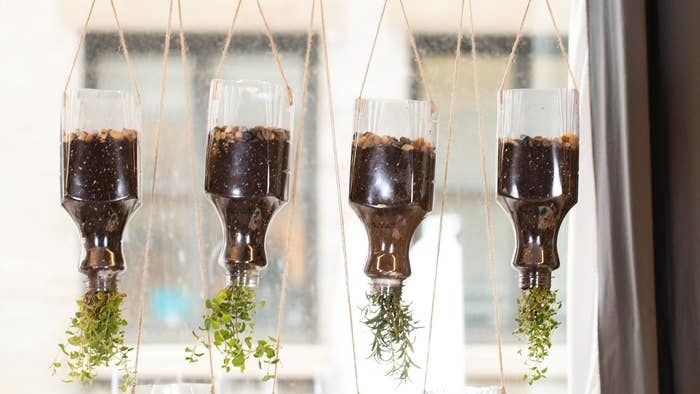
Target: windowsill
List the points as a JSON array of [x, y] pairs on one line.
[[481, 362], [167, 361]]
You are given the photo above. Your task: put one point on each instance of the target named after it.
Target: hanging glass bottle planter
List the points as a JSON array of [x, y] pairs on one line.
[[391, 190], [537, 174], [100, 183], [538, 156], [246, 177], [247, 169], [100, 177]]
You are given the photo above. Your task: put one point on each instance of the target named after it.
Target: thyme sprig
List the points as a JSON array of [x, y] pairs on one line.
[[392, 325], [537, 309], [96, 338], [229, 317]]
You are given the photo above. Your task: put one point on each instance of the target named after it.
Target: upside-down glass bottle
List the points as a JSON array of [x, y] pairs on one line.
[[538, 153], [100, 176], [247, 168], [391, 182]]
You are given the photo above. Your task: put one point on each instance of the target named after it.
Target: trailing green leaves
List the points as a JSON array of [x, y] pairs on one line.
[[229, 319], [96, 338], [537, 309], [392, 326]]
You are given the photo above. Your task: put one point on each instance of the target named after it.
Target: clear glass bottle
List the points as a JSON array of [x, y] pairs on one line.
[[100, 176], [538, 155], [247, 168], [392, 172]]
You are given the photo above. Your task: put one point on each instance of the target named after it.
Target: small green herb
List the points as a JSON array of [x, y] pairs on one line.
[[229, 319], [96, 338], [537, 309], [392, 326]]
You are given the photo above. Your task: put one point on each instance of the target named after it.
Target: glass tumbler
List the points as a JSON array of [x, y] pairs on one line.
[[392, 173], [538, 155], [247, 168], [100, 176]]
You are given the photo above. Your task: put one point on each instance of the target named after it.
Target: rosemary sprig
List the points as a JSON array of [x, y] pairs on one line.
[[537, 309], [392, 325], [96, 338], [229, 318]]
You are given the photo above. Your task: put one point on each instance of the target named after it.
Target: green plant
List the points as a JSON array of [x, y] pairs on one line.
[[229, 319], [537, 309], [96, 338], [392, 325]]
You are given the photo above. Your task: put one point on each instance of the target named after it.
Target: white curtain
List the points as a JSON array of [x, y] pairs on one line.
[[582, 284]]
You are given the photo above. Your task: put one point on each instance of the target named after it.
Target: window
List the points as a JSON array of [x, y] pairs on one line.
[[315, 332], [173, 300]]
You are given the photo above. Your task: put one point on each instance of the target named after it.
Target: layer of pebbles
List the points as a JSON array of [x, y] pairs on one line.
[[368, 139], [243, 134], [101, 135]]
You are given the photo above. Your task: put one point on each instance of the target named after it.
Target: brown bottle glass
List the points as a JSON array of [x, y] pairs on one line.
[[538, 155], [100, 177], [247, 169], [391, 182]]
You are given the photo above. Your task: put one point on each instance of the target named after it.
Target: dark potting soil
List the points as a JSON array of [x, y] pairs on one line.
[[391, 190], [537, 186], [101, 166], [101, 191], [246, 178]]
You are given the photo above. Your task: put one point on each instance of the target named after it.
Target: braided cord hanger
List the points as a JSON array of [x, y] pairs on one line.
[[414, 47], [443, 199], [293, 196], [161, 111], [487, 204], [193, 182], [518, 36], [152, 198], [341, 217], [271, 39], [122, 43]]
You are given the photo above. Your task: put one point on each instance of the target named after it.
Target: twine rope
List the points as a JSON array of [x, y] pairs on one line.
[[443, 199], [152, 197], [83, 33], [341, 218], [273, 47], [374, 45], [562, 48], [122, 43], [125, 49], [276, 54], [227, 43], [195, 195], [511, 57], [414, 47], [487, 205], [518, 36], [295, 182], [419, 60]]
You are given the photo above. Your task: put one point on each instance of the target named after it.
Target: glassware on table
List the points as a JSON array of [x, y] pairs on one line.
[[100, 176], [392, 172], [538, 155], [247, 168]]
